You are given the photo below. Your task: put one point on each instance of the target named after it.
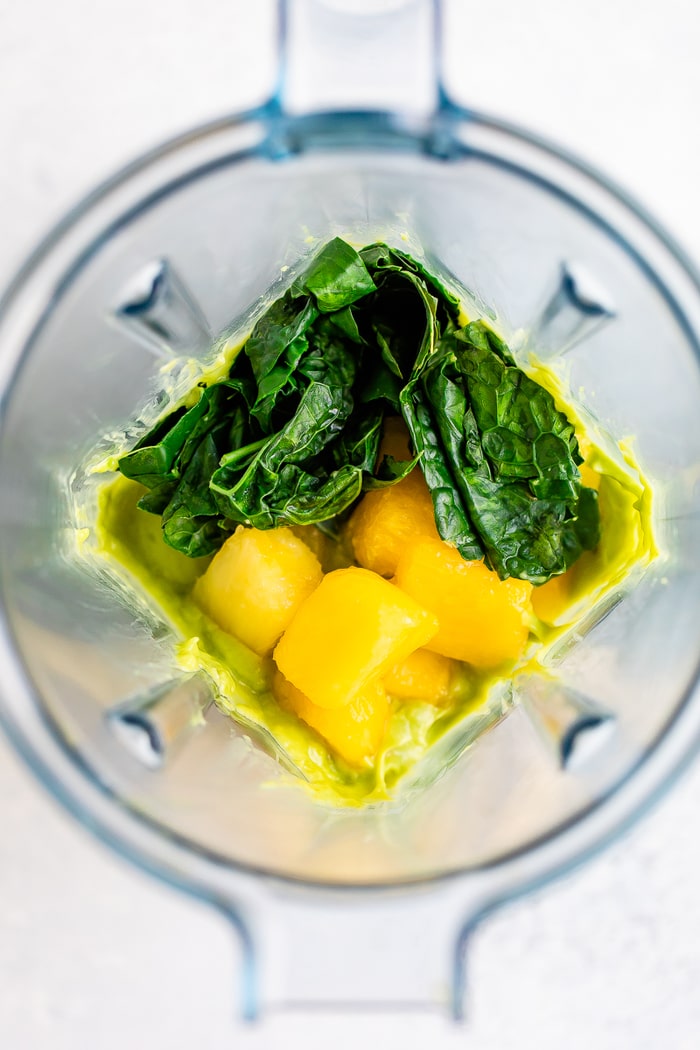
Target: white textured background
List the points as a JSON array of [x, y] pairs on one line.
[[93, 954]]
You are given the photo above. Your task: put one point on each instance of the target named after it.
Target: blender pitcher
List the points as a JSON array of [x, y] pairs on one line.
[[353, 906]]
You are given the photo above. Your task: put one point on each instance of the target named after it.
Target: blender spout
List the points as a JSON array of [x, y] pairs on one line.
[[349, 55]]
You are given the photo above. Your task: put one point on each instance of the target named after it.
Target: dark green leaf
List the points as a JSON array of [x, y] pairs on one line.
[[512, 455], [345, 320], [162, 455], [380, 257], [260, 495], [388, 472], [284, 321], [451, 516], [190, 521], [336, 277]]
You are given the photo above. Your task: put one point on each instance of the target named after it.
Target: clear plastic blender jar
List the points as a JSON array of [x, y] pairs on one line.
[[373, 905]]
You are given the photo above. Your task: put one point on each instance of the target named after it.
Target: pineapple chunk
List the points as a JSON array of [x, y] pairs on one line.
[[256, 583], [354, 732], [483, 620], [352, 628], [423, 675]]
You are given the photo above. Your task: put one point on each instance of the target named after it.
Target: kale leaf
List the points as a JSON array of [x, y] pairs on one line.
[[510, 454]]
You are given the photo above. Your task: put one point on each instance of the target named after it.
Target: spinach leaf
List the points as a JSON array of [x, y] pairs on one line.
[[400, 321]]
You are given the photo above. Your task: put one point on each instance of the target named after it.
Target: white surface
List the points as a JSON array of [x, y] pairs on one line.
[[93, 954]]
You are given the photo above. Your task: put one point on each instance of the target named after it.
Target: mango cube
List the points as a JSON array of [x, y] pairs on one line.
[[331, 552], [354, 732], [256, 583], [386, 519], [351, 629], [551, 599], [396, 440], [483, 620], [423, 675], [589, 477]]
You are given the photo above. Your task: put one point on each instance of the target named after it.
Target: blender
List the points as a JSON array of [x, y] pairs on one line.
[[369, 906]]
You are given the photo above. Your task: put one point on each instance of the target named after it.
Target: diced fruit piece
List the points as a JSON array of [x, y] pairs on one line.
[[313, 538], [352, 628], [423, 675], [332, 553], [550, 600], [483, 620], [256, 583], [355, 731], [589, 477], [395, 440], [386, 519]]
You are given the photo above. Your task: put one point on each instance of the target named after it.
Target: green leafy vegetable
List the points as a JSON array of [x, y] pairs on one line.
[[292, 435], [511, 455], [337, 277]]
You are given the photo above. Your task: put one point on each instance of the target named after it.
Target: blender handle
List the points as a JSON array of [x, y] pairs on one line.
[[307, 949], [345, 55]]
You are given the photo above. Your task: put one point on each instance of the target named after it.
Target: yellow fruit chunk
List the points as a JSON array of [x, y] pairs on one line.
[[386, 519], [332, 553], [354, 732], [352, 628], [313, 538], [256, 583], [483, 620], [589, 477], [395, 440], [551, 598], [423, 675]]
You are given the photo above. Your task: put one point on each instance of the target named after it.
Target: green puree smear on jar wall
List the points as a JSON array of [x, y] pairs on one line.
[[364, 401]]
